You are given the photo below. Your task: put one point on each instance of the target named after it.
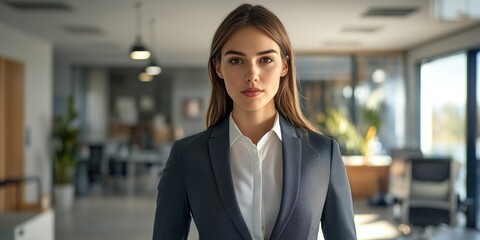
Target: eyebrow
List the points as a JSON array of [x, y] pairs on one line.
[[243, 54]]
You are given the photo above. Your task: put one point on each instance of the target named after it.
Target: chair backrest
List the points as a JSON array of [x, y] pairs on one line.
[[397, 171], [95, 162], [431, 189], [431, 169]]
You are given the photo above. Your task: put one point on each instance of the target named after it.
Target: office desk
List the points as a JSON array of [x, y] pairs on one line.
[[367, 179], [142, 157]]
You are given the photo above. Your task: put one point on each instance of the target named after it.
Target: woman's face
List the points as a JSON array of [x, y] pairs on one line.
[[251, 66]]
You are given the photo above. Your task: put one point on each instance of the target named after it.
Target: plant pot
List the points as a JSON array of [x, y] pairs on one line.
[[64, 195]]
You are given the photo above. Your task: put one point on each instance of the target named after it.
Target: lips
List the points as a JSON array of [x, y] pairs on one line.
[[252, 92]]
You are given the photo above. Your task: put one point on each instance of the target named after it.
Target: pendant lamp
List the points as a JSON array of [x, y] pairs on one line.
[[145, 77], [138, 50], [153, 68]]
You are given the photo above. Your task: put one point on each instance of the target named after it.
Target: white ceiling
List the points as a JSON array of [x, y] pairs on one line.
[[184, 28]]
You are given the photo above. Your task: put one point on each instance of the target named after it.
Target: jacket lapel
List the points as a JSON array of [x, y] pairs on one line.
[[292, 154], [219, 155]]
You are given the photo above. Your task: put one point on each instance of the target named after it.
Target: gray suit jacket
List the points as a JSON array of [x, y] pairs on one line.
[[197, 181]]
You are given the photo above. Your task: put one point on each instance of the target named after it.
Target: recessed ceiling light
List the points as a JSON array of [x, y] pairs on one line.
[[343, 43], [361, 29], [389, 11], [105, 45], [87, 30], [38, 6]]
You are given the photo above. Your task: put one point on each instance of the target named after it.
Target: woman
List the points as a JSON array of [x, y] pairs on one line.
[[260, 171]]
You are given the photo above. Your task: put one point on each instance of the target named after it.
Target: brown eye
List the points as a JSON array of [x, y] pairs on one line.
[[235, 61], [266, 60]]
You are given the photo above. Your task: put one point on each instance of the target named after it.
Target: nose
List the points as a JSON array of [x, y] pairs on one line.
[[252, 72]]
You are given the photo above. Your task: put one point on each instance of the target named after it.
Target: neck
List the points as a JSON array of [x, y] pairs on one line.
[[254, 125]]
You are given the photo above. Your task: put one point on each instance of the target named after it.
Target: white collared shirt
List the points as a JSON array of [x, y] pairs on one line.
[[257, 172]]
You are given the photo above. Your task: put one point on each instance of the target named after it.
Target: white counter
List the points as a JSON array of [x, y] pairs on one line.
[[27, 225]]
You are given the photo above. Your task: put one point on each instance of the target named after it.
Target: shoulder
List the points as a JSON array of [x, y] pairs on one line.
[[313, 136], [306, 135], [199, 141], [193, 140], [316, 140]]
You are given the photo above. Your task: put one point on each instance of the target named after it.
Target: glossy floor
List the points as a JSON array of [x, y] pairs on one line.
[[131, 217]]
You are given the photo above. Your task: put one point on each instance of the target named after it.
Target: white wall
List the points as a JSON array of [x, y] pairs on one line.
[[36, 55], [186, 85], [457, 42], [96, 115]]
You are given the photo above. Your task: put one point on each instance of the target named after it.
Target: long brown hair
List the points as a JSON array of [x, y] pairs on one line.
[[287, 97]]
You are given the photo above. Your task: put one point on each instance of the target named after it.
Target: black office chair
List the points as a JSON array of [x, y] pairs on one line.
[[95, 163], [397, 171], [397, 184], [431, 199]]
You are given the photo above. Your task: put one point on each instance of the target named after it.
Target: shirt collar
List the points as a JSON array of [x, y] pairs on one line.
[[276, 127], [235, 134]]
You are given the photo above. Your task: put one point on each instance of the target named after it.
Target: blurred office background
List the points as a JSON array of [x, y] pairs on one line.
[[396, 82]]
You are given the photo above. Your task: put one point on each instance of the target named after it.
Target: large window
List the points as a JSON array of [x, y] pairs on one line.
[[443, 98], [364, 90], [478, 141], [381, 89], [478, 107]]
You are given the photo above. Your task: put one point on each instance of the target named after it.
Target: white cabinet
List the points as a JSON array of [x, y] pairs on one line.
[[27, 226]]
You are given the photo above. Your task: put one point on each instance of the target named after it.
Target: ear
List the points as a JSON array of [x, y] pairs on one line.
[[284, 68], [218, 68]]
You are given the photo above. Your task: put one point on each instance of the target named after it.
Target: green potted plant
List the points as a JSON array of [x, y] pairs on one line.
[[373, 120], [338, 126], [352, 140], [65, 135]]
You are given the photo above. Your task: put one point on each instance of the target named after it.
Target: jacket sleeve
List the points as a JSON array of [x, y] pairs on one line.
[[337, 219], [172, 216]]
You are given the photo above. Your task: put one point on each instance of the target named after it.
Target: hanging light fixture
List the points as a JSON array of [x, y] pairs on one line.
[[138, 51], [145, 77], [153, 68]]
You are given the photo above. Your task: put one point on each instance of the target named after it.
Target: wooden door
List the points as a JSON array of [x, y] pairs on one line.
[[11, 131]]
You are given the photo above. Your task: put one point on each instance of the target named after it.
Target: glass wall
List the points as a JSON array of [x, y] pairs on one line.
[[443, 99], [354, 93], [325, 83], [478, 139], [478, 108], [380, 91]]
